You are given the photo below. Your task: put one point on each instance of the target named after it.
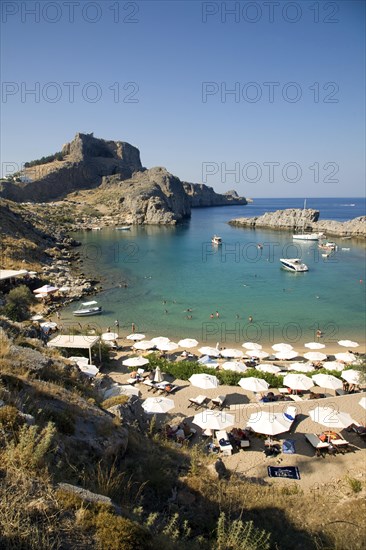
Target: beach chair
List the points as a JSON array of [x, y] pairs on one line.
[[150, 384], [167, 391], [340, 444], [219, 402], [320, 446], [295, 397], [198, 402], [223, 440]]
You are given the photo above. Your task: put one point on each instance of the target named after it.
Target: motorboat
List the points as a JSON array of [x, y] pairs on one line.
[[124, 228], [328, 245], [88, 308], [294, 265], [306, 235], [216, 240]]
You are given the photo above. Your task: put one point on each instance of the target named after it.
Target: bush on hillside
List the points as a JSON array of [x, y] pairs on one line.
[[18, 302]]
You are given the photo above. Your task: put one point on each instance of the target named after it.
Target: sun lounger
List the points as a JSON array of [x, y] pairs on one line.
[[198, 402], [219, 402], [167, 391], [224, 443], [295, 397], [319, 446]]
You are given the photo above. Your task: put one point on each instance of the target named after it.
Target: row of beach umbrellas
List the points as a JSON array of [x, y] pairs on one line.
[[265, 422]]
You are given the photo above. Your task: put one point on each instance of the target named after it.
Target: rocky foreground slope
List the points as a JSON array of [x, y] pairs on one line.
[[299, 220]]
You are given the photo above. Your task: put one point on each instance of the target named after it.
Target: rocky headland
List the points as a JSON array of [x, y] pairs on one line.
[[299, 220], [112, 173]]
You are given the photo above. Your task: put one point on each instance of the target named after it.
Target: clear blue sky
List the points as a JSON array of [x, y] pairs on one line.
[[169, 52]]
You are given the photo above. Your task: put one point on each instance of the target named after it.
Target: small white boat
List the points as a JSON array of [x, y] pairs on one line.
[[328, 245], [88, 308], [294, 264], [216, 240], [307, 236], [123, 228], [346, 249]]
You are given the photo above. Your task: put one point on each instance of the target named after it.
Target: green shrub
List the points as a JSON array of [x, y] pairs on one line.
[[355, 484], [239, 535], [31, 448], [10, 419], [112, 401], [118, 533], [18, 302]]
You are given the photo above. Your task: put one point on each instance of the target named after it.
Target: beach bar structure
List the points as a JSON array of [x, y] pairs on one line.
[[76, 341], [6, 274]]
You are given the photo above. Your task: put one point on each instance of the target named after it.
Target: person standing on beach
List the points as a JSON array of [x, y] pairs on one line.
[[133, 328]]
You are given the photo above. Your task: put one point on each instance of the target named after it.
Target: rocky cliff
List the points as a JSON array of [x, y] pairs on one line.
[[85, 161], [113, 170], [151, 197], [201, 195], [304, 220]]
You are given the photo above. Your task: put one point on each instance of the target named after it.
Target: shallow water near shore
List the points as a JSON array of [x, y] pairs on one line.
[[170, 280]]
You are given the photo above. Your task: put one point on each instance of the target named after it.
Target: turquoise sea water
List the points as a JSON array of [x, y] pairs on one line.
[[169, 270]]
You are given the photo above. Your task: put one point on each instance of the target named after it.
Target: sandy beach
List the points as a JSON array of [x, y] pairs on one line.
[[252, 462]]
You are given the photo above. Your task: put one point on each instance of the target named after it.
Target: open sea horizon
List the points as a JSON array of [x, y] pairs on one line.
[[171, 281]]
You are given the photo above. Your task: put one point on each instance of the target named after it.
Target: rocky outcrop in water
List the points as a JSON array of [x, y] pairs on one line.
[[304, 220], [201, 195]]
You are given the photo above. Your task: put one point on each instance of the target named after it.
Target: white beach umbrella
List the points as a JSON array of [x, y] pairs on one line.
[[159, 340], [327, 381], [89, 370], [207, 362], [109, 336], [298, 382], [135, 337], [118, 389], [204, 381], [253, 384], [345, 357], [282, 347], [45, 289], [213, 420], [158, 377], [135, 362], [156, 405], [352, 376], [233, 353], [268, 423], [48, 324], [79, 360], [144, 345], [272, 369], [362, 402], [348, 344], [301, 367], [260, 354], [333, 365], [188, 343], [251, 345], [36, 318], [286, 354], [236, 366], [206, 350], [314, 345], [315, 356], [169, 346], [328, 416]]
